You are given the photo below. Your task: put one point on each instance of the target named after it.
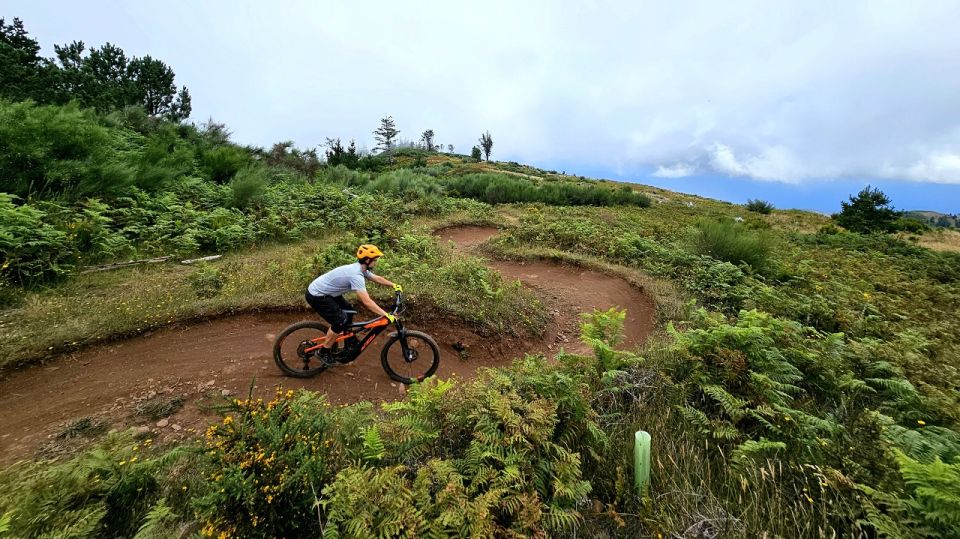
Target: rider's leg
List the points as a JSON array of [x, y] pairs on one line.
[[329, 309], [338, 321], [331, 336]]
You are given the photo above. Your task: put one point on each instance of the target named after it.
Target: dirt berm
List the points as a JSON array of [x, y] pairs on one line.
[[201, 362]]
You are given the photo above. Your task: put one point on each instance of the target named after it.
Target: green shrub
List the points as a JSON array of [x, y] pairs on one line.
[[759, 206], [206, 281], [270, 461], [343, 175], [165, 156], [221, 163], [248, 186], [869, 211], [373, 163], [501, 188], [406, 184], [908, 224], [928, 505], [108, 491], [49, 151], [33, 250], [94, 234], [734, 243]]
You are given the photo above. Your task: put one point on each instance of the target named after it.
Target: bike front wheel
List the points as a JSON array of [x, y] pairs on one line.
[[411, 358]]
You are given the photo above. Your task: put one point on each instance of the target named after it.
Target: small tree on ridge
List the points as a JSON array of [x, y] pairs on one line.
[[869, 211], [385, 133], [486, 142], [427, 139]]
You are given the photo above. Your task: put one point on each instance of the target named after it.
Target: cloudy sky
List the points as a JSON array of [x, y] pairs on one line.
[[797, 103]]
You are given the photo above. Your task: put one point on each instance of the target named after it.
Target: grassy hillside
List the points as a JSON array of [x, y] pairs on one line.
[[936, 219], [809, 385]]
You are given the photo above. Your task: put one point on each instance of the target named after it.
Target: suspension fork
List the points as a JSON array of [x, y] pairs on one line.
[[402, 334]]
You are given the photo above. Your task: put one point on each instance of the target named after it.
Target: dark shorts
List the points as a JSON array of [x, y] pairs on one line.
[[331, 309]]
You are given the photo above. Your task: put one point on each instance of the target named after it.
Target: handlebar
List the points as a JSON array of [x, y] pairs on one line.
[[397, 302]]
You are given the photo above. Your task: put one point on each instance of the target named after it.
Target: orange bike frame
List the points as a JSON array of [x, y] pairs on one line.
[[377, 323]]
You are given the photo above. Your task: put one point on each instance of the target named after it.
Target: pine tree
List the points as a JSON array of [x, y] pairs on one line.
[[385, 134], [23, 73], [869, 211]]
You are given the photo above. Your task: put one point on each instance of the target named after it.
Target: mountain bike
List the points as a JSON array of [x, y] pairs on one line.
[[408, 356]]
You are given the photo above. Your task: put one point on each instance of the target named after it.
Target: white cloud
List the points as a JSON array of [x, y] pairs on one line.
[[939, 167], [774, 91], [775, 163], [677, 170], [724, 161]]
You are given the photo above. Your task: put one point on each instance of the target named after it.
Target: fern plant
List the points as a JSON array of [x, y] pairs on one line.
[[928, 505]]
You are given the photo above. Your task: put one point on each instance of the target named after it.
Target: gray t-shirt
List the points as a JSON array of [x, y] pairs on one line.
[[339, 281]]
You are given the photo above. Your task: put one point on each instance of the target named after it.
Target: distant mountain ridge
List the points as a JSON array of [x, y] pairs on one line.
[[934, 218]]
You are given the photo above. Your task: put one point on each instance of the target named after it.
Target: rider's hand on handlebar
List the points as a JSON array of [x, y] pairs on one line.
[[392, 318], [397, 288]]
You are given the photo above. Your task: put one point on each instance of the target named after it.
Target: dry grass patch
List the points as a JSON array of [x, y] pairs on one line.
[[942, 240]]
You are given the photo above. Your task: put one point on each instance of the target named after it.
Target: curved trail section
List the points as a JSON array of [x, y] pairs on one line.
[[202, 362], [569, 289]]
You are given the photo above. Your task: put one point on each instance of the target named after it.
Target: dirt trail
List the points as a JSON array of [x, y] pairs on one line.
[[202, 362], [570, 290]]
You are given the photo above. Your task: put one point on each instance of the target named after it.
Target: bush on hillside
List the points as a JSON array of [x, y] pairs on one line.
[[759, 206], [33, 249], [248, 186], [406, 183], [373, 163], [120, 488], [51, 151], [928, 505], [869, 211], [221, 163], [734, 243], [344, 175], [206, 281], [909, 224], [501, 188]]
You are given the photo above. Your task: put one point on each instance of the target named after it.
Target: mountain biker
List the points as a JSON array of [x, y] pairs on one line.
[[325, 293]]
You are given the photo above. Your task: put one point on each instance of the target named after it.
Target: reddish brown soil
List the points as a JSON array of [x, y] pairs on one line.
[[207, 361], [569, 289]]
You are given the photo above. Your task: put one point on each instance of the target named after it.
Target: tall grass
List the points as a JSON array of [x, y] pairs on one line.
[[734, 243]]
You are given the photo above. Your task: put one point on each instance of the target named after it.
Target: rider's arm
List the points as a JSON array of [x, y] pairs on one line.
[[380, 280], [369, 303]]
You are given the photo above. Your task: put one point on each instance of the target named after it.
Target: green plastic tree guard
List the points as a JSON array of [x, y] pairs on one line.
[[641, 460]]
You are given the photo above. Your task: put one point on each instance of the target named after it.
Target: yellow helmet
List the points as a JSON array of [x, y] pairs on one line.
[[368, 251]]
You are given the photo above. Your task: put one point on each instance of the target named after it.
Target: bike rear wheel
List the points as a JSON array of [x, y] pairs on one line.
[[289, 350], [420, 361]]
